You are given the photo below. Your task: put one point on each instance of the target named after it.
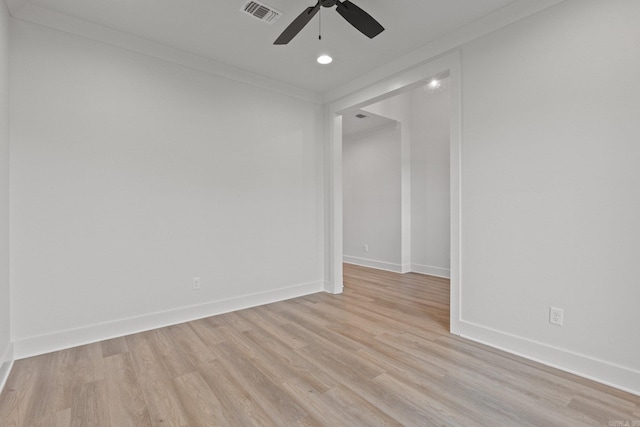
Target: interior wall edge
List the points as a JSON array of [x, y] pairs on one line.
[[15, 5], [39, 16], [616, 376], [6, 346], [34, 346], [6, 364]]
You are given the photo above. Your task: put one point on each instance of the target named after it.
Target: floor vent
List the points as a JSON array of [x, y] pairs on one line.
[[261, 11]]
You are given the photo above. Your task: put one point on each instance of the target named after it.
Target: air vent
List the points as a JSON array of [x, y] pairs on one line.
[[261, 11]]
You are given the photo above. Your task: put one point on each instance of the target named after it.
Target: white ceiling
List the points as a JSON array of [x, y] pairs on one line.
[[352, 125], [216, 30]]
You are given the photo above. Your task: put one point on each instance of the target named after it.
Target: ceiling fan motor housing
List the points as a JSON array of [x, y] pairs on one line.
[[328, 3]]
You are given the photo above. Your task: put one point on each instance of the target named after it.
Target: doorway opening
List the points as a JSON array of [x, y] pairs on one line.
[[395, 182], [371, 100]]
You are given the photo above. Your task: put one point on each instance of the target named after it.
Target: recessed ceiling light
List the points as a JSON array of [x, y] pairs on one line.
[[434, 84], [324, 59]]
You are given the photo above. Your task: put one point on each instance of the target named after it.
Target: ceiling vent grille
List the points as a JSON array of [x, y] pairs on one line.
[[261, 11]]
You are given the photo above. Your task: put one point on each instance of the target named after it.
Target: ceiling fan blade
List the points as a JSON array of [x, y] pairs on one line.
[[298, 24], [359, 19]]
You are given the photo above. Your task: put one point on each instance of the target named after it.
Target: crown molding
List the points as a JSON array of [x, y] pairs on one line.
[[499, 19], [37, 15], [26, 11], [15, 5]]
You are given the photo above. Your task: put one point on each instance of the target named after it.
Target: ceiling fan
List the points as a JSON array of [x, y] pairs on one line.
[[349, 11]]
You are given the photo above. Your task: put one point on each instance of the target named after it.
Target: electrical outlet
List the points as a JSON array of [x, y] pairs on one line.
[[366, 248], [556, 316], [196, 283]]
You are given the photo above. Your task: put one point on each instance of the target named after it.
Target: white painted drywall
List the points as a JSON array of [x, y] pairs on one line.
[[548, 166], [398, 108], [430, 224], [551, 185], [131, 175], [5, 337], [371, 198]]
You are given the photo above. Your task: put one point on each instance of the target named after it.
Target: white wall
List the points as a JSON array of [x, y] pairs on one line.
[[130, 176], [5, 337], [398, 108], [549, 203], [371, 198], [430, 224], [550, 185]]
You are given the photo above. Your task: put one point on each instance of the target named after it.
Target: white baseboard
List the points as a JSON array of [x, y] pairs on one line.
[[6, 363], [431, 271], [34, 346], [607, 373], [331, 288], [398, 268], [380, 265]]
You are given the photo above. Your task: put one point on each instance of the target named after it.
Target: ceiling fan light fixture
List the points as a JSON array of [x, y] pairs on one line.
[[324, 59]]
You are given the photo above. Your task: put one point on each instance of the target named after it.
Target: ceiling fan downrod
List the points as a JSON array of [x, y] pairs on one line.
[[328, 3]]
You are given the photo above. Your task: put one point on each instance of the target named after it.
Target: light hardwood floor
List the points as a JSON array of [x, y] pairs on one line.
[[379, 354]]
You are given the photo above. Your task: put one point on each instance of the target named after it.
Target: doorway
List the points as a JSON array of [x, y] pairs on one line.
[[395, 179], [408, 80]]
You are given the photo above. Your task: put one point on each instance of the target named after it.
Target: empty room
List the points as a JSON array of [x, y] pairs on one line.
[[319, 213]]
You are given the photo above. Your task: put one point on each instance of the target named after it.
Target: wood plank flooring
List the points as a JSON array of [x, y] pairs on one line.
[[379, 354]]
